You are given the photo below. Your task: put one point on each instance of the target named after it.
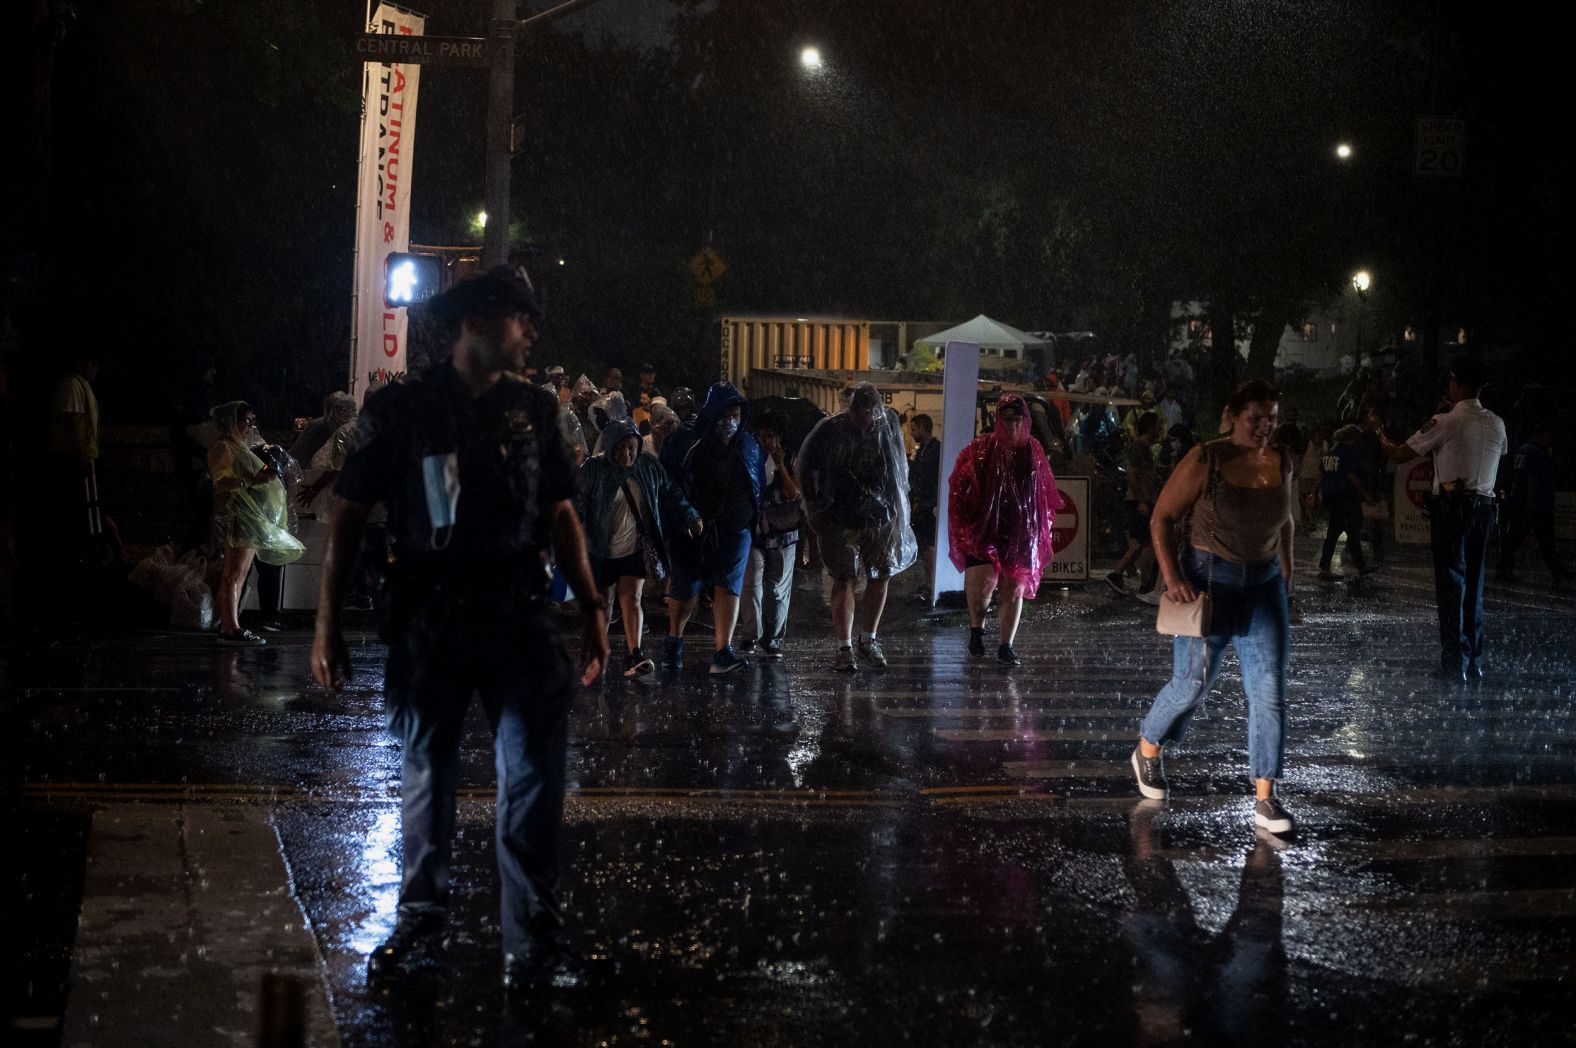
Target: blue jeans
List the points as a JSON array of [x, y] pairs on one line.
[[1459, 527], [1249, 611], [438, 658]]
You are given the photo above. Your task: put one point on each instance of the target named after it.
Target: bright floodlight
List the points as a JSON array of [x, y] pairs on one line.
[[1361, 280], [1343, 151], [402, 282], [810, 58]]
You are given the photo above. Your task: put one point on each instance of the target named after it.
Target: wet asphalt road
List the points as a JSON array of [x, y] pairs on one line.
[[948, 853]]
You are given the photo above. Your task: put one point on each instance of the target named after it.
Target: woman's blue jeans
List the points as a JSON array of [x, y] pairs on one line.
[[1249, 611]]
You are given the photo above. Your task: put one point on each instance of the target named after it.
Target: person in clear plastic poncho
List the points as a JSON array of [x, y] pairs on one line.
[[1001, 503], [854, 474], [251, 513]]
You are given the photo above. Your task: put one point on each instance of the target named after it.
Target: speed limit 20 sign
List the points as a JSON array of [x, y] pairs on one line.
[[1441, 147]]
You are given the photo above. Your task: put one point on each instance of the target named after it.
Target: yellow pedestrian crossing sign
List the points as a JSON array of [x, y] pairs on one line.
[[707, 266]]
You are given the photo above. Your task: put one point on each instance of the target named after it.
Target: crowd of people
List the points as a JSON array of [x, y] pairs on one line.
[[460, 493]]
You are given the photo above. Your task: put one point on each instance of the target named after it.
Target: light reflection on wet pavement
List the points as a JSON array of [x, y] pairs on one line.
[[949, 853]]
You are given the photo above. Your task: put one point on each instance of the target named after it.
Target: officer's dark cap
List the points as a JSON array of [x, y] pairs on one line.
[[496, 293], [1469, 372]]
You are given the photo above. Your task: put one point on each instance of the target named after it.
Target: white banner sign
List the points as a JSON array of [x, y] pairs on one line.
[[388, 134], [960, 383], [1414, 481], [1070, 533]]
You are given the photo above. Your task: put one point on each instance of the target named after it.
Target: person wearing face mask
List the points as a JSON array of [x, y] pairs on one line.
[[624, 497], [1239, 492], [468, 459], [853, 471], [251, 514], [722, 470], [1002, 501]]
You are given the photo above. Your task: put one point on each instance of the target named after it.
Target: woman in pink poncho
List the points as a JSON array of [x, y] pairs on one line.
[[1001, 501]]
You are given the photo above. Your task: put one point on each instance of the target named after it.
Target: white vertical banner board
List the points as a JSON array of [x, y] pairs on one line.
[[388, 136], [960, 384], [1414, 481], [1070, 533]]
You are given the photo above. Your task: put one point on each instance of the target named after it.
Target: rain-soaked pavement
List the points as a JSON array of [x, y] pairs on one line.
[[949, 853]]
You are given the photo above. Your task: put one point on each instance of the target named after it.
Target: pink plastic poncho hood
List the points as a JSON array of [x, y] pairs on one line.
[[1001, 502]]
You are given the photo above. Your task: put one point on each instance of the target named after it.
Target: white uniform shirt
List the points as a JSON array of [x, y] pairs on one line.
[[1467, 443]]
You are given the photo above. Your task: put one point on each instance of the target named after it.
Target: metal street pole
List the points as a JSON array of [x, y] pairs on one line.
[[500, 108], [501, 32]]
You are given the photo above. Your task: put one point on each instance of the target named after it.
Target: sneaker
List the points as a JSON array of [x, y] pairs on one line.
[[1326, 575], [1151, 775], [673, 654], [1272, 816], [639, 667], [417, 944], [1007, 657], [977, 643], [725, 661], [770, 650], [547, 966], [870, 651], [746, 646], [241, 639], [272, 626], [845, 661], [1149, 596], [1115, 582]]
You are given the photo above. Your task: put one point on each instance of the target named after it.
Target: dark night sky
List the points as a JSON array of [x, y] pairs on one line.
[[1067, 165]]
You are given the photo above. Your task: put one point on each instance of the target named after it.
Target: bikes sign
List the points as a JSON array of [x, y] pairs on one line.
[[1070, 533]]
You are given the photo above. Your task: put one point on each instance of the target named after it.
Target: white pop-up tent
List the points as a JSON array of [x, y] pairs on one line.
[[992, 336]]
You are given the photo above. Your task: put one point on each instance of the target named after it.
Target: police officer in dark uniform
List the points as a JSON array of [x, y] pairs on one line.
[[1466, 443], [470, 463]]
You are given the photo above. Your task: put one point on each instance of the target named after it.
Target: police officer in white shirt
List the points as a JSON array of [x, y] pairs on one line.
[[1466, 443]]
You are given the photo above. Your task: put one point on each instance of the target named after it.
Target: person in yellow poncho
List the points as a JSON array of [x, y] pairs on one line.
[[250, 515]]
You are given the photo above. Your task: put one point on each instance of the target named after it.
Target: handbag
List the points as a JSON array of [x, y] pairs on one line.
[[1176, 619], [650, 551]]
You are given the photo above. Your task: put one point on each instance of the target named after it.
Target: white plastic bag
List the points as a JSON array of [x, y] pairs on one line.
[[192, 605]]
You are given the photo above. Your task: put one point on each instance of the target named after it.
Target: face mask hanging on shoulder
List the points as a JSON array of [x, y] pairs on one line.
[[440, 476]]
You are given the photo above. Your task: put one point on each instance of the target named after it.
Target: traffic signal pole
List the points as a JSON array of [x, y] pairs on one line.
[[500, 110], [501, 30]]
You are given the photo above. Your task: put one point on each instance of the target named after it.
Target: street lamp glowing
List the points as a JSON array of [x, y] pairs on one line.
[[481, 218], [1361, 280], [1343, 151], [810, 58]]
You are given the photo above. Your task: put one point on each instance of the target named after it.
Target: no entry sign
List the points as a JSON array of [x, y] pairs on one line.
[[1414, 481], [1070, 533]]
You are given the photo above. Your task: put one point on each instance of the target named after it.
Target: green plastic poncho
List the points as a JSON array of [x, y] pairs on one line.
[[248, 515]]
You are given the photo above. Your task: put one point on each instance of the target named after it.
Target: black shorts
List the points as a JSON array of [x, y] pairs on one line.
[[608, 572], [925, 527], [975, 562]]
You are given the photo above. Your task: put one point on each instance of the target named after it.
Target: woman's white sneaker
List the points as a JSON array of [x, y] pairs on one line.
[[1151, 775], [1271, 815]]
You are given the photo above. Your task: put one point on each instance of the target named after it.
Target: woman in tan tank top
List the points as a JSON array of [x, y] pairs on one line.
[[1239, 494]]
